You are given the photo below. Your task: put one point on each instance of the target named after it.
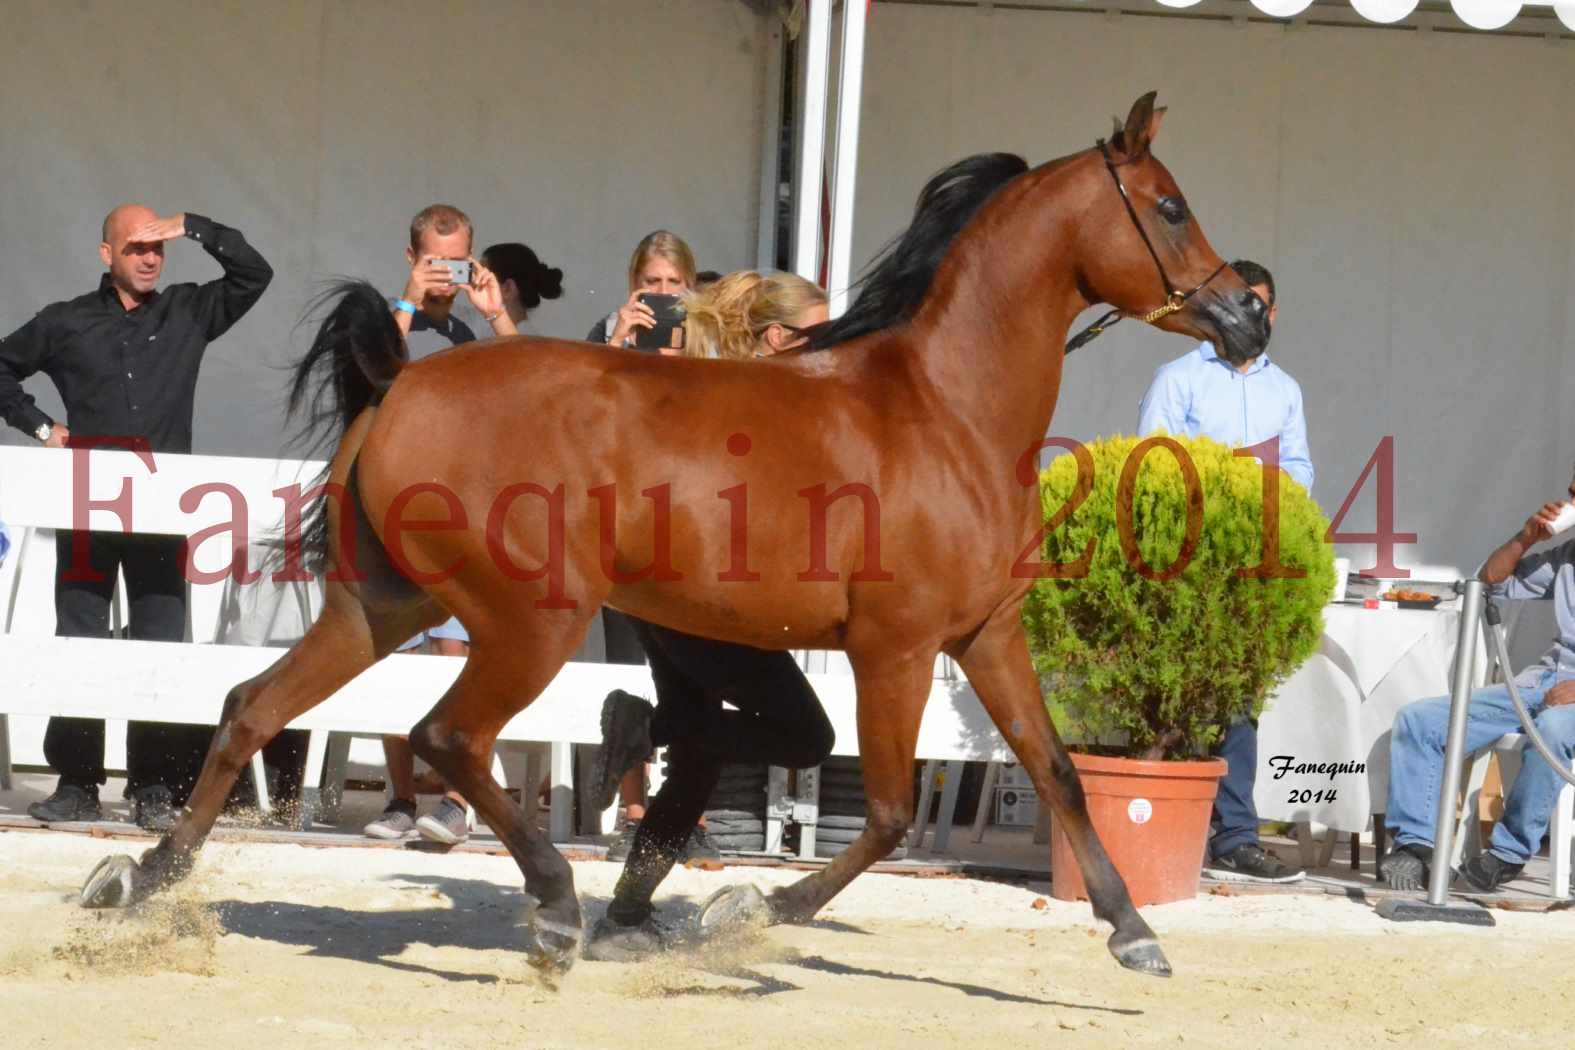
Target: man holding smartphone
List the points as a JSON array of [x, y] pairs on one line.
[[441, 266], [125, 359]]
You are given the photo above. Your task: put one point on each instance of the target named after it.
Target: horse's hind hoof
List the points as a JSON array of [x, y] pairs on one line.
[[113, 883], [555, 945], [733, 908], [1143, 955]]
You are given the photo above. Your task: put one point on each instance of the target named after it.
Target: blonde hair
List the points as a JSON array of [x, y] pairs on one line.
[[662, 244], [730, 318]]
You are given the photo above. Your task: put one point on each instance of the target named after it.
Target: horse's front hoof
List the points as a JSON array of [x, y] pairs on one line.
[[113, 883], [555, 945], [1143, 955], [733, 908]]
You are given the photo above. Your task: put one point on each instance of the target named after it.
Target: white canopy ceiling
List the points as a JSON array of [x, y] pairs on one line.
[[1479, 14]]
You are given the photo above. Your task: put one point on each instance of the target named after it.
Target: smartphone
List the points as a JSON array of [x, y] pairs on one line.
[[458, 270], [668, 332]]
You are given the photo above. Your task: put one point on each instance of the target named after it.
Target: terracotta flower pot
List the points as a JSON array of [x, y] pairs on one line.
[[1153, 819]]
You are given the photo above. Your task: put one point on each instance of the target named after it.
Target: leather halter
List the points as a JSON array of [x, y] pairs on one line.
[[1175, 299]]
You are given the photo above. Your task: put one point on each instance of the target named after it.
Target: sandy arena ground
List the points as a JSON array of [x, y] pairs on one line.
[[281, 945]]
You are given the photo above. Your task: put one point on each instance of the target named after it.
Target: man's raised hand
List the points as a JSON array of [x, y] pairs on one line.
[[159, 230]]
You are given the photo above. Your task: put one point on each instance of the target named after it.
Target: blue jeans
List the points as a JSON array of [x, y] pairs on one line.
[[1234, 820], [1416, 764]]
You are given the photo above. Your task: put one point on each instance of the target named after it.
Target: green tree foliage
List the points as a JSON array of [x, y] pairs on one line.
[[1166, 664]]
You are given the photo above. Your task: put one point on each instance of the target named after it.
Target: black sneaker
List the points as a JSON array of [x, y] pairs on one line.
[[626, 742], [699, 847], [1485, 873], [624, 843], [68, 803], [153, 808], [612, 942], [1407, 868], [1250, 863]]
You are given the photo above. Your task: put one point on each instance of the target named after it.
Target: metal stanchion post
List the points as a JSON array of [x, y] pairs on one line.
[[1455, 749], [1434, 909]]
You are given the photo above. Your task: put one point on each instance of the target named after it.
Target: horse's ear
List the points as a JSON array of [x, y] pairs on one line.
[[1141, 124]]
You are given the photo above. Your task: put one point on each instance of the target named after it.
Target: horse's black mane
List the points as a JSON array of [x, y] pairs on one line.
[[898, 278]]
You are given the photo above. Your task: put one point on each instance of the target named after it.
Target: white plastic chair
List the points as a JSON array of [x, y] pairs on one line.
[[1561, 829]]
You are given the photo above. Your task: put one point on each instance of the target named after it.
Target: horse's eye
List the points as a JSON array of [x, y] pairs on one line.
[[1173, 210]]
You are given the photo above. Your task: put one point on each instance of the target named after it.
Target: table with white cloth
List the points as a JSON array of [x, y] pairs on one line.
[[1335, 713]]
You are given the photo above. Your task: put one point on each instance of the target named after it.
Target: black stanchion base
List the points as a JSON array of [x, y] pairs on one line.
[[1407, 909]]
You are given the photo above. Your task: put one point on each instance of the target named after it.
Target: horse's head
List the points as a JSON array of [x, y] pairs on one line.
[[1141, 250]]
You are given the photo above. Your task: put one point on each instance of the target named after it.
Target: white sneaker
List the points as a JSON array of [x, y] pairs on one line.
[[448, 824], [397, 822]]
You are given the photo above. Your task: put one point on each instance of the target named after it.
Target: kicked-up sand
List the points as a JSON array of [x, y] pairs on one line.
[[289, 946]]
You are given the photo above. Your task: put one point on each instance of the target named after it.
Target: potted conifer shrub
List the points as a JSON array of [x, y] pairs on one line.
[[1181, 582]]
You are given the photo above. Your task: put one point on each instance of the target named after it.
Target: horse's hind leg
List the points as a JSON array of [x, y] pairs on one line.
[[339, 646], [892, 693], [457, 737], [1001, 672]]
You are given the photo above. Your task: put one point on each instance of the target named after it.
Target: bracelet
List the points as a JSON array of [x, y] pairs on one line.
[[494, 317], [405, 305]]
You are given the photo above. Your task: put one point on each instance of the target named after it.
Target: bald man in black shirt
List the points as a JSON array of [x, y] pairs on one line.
[[125, 358]]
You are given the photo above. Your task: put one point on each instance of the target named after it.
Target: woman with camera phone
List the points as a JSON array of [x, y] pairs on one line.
[[662, 264], [661, 270], [777, 718]]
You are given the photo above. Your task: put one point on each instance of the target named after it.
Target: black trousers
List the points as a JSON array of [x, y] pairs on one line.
[[779, 721], [156, 752], [622, 638]]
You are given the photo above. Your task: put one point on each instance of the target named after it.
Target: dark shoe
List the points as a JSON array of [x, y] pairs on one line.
[[624, 843], [153, 808], [699, 847], [67, 804], [626, 742], [1408, 868], [1250, 863], [611, 942], [1485, 872]]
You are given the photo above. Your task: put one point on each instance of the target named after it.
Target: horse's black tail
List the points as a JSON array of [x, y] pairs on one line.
[[349, 366], [353, 359]]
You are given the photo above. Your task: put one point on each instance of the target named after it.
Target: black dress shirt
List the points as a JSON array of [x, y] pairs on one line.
[[132, 373]]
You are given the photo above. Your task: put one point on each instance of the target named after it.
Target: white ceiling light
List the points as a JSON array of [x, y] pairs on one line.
[[1384, 11], [1180, 3], [1566, 13], [1282, 8], [1486, 14]]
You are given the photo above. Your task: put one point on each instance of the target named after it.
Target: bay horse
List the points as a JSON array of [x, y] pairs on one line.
[[930, 411]]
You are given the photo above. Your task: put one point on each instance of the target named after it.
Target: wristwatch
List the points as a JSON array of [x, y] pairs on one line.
[[44, 431]]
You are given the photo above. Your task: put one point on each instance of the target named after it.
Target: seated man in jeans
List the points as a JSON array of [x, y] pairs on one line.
[[1416, 750]]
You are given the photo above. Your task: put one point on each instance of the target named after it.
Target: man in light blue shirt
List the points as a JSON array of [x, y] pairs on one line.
[[1246, 405], [1416, 747], [1202, 394]]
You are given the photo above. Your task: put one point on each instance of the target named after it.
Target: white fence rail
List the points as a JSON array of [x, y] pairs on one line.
[[41, 675]]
